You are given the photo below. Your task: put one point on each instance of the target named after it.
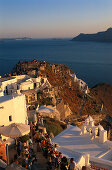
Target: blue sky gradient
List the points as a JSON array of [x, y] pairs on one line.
[[53, 18]]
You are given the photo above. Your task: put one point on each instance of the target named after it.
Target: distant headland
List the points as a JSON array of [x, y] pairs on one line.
[[105, 36]]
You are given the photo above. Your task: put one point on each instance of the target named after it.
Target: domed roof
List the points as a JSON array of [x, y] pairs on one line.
[[100, 127]]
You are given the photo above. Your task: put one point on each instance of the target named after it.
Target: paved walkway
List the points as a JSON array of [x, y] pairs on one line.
[[41, 163]]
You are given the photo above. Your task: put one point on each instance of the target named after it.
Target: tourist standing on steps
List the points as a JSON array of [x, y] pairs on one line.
[[72, 164]]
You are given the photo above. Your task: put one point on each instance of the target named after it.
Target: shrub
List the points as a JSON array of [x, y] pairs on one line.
[[54, 126]]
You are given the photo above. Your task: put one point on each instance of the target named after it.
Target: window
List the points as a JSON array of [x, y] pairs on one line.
[[10, 118], [1, 107]]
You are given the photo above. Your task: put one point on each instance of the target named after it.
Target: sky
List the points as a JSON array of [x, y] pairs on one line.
[[53, 18]]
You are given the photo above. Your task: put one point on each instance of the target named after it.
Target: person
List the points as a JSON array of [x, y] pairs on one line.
[[48, 139], [33, 130], [37, 137], [24, 163], [36, 127], [56, 160], [59, 159], [55, 147], [84, 168], [64, 163], [19, 147], [43, 144], [26, 151], [30, 143], [72, 164]]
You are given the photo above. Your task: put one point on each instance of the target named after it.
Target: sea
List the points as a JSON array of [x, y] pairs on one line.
[[90, 61]]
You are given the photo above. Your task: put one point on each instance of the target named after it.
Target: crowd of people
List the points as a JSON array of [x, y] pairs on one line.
[[42, 141], [25, 154], [55, 158]]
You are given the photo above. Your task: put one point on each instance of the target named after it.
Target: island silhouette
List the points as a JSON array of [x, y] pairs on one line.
[[105, 36]]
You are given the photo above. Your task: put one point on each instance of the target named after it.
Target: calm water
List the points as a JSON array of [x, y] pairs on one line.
[[91, 61]]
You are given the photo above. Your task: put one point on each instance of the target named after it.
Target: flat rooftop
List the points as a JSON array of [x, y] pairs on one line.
[[23, 79], [72, 140], [6, 79], [26, 82], [8, 97]]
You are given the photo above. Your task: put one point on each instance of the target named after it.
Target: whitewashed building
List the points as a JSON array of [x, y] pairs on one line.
[[1, 92], [74, 76], [88, 146], [27, 85], [48, 111], [37, 81], [13, 109], [8, 85], [82, 85], [24, 82], [21, 77]]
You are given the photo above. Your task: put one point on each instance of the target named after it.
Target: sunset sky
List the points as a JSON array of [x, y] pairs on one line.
[[53, 18]]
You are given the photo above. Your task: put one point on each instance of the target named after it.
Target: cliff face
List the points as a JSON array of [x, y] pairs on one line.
[[105, 36], [70, 101], [59, 76], [103, 92]]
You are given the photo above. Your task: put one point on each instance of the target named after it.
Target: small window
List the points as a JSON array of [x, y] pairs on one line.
[[10, 118]]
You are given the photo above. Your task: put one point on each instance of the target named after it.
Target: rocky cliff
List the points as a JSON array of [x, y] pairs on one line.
[[68, 94]]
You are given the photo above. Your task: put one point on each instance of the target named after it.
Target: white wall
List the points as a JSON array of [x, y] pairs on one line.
[[37, 80], [15, 107], [1, 93], [82, 84], [28, 85], [109, 144], [8, 83], [81, 163]]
